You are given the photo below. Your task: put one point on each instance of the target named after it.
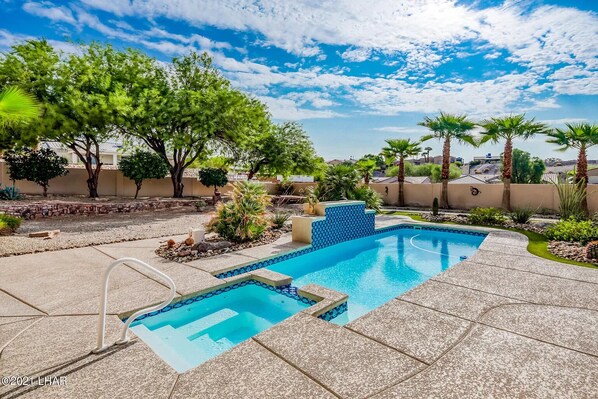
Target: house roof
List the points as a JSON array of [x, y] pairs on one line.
[[476, 179], [109, 147]]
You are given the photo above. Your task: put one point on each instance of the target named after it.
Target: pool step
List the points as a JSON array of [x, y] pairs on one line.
[[206, 322]]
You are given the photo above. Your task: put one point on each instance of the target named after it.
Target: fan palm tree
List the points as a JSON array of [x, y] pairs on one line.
[[447, 127], [580, 136], [16, 106], [401, 148], [509, 128], [366, 168]]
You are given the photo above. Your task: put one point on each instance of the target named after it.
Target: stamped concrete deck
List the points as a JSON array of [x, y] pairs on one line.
[[502, 324]]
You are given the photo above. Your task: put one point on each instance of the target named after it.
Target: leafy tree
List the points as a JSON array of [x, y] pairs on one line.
[[401, 149], [436, 172], [366, 168], [143, 165], [379, 158], [526, 170], [16, 108], [38, 166], [283, 149], [213, 177], [79, 98], [447, 127], [179, 110], [509, 128], [580, 136]]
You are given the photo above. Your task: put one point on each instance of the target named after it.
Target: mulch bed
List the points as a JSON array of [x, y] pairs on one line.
[[181, 252]]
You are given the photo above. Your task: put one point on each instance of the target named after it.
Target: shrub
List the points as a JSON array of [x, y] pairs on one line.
[[38, 166], [342, 183], [370, 197], [143, 165], [572, 230], [491, 216], [521, 215], [200, 205], [285, 187], [435, 206], [12, 223], [244, 217], [10, 194], [213, 177], [279, 218], [571, 197]]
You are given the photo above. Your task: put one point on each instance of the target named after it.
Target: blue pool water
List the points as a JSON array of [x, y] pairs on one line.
[[192, 334], [375, 269]]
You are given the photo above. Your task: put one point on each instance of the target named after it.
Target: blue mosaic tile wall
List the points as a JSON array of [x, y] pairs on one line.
[[342, 223]]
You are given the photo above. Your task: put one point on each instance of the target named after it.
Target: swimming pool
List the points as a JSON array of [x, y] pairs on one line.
[[193, 331], [375, 269]]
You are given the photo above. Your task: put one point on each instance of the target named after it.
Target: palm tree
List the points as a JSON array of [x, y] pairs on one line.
[[16, 106], [447, 127], [509, 128], [401, 148], [580, 136], [366, 168], [427, 152]]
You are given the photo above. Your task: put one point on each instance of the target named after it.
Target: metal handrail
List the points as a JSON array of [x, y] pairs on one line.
[[104, 300]]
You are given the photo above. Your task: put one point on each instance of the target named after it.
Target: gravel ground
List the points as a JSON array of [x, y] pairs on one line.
[[82, 231]]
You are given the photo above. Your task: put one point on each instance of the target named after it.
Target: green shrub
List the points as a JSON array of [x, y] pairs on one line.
[[491, 216], [244, 217], [11, 222], [279, 218], [521, 215], [572, 230], [342, 183], [435, 206], [10, 194], [571, 197], [370, 197]]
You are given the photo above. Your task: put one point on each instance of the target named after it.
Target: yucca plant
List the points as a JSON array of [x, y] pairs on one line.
[[244, 217], [572, 198], [522, 215], [279, 218]]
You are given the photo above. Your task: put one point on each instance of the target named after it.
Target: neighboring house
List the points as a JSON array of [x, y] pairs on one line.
[[477, 179], [408, 179], [488, 158], [336, 162], [110, 152], [434, 159]]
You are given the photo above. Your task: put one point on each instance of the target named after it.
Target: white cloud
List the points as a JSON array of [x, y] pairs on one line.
[[287, 109], [49, 10], [356, 54]]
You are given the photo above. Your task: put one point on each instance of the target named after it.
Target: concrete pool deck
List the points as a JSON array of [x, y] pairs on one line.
[[503, 324]]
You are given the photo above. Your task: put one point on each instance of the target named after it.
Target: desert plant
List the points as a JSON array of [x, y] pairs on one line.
[[521, 215], [573, 230], [279, 218], [10, 193], [571, 200], [38, 166], [486, 216], [435, 206], [342, 183], [200, 205], [370, 197], [9, 223], [244, 217], [311, 199], [143, 165], [213, 177], [592, 250]]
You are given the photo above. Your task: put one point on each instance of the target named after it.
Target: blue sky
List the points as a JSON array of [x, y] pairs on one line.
[[356, 72]]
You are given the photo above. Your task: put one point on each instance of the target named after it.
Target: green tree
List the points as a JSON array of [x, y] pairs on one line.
[[366, 167], [448, 127], [436, 172], [526, 170], [401, 149], [38, 166], [213, 177], [16, 107], [283, 149], [509, 128], [79, 98], [178, 111], [143, 165], [580, 136], [341, 182]]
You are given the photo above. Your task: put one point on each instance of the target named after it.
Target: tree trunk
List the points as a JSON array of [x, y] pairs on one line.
[[507, 174], [366, 179], [176, 175], [250, 174], [401, 180], [138, 185], [444, 176], [581, 176], [45, 187], [93, 177]]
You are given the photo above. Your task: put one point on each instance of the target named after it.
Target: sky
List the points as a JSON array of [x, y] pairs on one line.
[[358, 72]]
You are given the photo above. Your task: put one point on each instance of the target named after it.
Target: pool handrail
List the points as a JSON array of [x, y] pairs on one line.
[[104, 301]]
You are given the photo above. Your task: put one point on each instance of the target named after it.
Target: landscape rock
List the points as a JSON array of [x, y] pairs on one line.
[[44, 234]]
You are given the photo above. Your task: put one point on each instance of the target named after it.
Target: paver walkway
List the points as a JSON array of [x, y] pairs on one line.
[[502, 324]]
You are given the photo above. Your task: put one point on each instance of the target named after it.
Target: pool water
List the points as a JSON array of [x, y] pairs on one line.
[[192, 334], [375, 269]]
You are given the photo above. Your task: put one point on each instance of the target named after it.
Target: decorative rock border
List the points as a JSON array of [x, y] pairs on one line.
[[38, 210]]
